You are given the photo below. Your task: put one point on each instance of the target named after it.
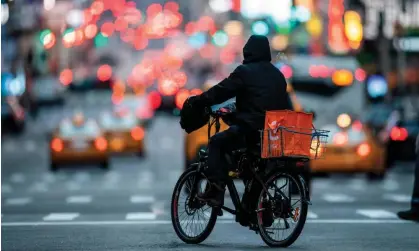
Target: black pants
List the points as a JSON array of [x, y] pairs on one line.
[[415, 195], [219, 145]]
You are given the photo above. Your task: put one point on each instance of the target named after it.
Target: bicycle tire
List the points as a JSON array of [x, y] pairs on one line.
[[303, 214], [175, 220]]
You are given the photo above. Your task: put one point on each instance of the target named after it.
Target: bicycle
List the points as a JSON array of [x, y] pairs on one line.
[[260, 215]]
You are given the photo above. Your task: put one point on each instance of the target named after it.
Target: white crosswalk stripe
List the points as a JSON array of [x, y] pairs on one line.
[[376, 213], [18, 201], [403, 198], [6, 188], [338, 198], [142, 199], [17, 178], [61, 216], [79, 199], [141, 216], [311, 215]]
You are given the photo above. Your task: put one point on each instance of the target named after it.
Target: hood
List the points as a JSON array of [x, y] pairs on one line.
[[257, 49]]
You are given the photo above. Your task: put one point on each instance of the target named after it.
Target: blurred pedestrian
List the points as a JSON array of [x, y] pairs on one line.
[[413, 213]]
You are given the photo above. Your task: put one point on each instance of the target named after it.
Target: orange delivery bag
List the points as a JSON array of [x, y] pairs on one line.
[[287, 134]]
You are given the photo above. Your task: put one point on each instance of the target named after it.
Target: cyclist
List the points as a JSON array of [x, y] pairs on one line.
[[258, 87]]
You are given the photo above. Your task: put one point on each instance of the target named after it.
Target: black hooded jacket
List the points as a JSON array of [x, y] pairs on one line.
[[257, 85]]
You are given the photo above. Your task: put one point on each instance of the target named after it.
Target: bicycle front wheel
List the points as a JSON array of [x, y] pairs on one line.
[[192, 220], [281, 216]]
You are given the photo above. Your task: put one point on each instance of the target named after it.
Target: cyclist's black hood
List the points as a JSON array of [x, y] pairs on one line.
[[257, 49]]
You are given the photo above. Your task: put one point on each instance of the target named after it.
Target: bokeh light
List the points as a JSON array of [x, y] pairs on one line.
[[104, 72]]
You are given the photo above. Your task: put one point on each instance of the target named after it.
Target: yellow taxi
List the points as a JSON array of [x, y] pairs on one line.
[[351, 147], [78, 141], [198, 139], [123, 132]]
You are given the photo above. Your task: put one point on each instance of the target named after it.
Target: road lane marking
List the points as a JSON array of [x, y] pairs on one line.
[[17, 178], [311, 215], [403, 198], [6, 188], [338, 198], [376, 213], [168, 222], [60, 216], [142, 199], [140, 216], [82, 199], [38, 187], [18, 201], [390, 185]]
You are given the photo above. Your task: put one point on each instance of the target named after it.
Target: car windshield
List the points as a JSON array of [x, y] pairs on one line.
[[88, 130], [116, 122], [133, 102], [354, 136]]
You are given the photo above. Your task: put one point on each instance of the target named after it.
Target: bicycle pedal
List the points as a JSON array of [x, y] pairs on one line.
[[219, 211]]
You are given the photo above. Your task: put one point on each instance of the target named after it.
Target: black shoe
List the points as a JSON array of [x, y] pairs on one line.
[[214, 196], [412, 215]]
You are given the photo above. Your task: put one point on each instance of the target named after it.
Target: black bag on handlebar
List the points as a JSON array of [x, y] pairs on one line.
[[193, 117]]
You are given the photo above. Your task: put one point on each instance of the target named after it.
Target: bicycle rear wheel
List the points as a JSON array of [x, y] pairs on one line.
[[200, 218], [279, 212]]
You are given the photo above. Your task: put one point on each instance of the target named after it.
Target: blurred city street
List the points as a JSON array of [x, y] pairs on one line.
[[127, 207], [121, 200]]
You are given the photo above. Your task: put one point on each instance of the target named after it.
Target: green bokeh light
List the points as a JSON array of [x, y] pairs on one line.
[[100, 40], [220, 38]]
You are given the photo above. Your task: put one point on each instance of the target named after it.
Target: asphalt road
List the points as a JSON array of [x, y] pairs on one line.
[[127, 208]]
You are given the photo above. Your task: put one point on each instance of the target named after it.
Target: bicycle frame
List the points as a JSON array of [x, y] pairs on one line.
[[238, 208]]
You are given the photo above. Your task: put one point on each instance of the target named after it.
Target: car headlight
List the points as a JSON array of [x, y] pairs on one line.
[[15, 87]]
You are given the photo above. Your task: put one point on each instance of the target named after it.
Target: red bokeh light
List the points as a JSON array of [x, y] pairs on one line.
[[287, 71], [206, 23], [227, 56], [104, 73], [90, 31], [196, 92], [181, 97], [155, 99], [87, 16], [140, 43], [128, 35], [79, 37], [360, 75], [107, 29], [167, 86], [97, 7], [121, 24], [154, 9], [66, 77], [190, 28], [207, 51], [172, 6]]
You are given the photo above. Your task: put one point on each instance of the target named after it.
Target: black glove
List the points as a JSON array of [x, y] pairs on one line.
[[193, 115]]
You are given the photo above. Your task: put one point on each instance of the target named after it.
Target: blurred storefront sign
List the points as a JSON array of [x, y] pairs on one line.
[[392, 11], [407, 44]]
